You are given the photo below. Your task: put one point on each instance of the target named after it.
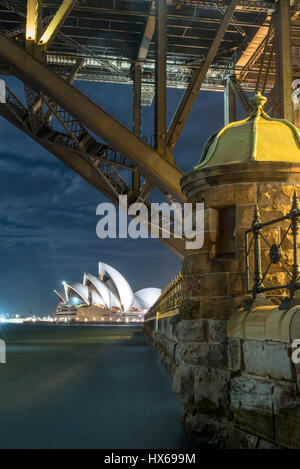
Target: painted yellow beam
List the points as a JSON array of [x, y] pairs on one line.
[[31, 20], [284, 66], [161, 173], [86, 170], [56, 22], [251, 49]]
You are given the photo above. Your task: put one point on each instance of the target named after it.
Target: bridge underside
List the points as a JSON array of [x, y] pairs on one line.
[[233, 46]]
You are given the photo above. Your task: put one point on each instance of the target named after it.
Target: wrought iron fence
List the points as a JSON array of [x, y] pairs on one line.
[[170, 299], [255, 277]]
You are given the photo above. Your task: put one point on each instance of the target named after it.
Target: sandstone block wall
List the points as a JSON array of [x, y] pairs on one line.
[[234, 376], [237, 389]]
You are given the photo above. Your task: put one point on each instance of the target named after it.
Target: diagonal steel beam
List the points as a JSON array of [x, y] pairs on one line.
[[32, 20], [164, 175], [240, 94], [33, 24], [70, 157], [83, 167], [137, 88], [56, 23], [148, 35], [70, 79], [137, 117], [197, 80], [284, 67], [254, 50]]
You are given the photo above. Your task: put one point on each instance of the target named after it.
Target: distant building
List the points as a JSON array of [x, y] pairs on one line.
[[105, 298]]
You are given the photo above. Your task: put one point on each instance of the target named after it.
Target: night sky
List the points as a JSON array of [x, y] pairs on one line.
[[48, 213]]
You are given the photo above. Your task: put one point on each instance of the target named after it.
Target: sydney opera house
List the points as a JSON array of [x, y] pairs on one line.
[[105, 298]]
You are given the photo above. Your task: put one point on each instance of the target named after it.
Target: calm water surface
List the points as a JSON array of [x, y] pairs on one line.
[[85, 387]]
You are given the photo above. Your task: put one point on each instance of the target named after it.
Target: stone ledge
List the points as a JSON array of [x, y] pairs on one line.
[[265, 323], [268, 359], [254, 171]]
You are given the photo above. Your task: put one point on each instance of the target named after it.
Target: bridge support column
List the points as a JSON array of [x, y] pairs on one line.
[[214, 287], [211, 379], [231, 367], [229, 103], [235, 378], [283, 87]]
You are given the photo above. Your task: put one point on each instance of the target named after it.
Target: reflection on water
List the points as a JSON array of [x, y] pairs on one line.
[[85, 387]]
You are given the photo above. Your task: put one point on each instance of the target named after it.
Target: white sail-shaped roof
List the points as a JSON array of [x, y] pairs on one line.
[[100, 287], [94, 296], [114, 294], [136, 304], [61, 295], [124, 290], [147, 296], [81, 290], [115, 301], [110, 290]]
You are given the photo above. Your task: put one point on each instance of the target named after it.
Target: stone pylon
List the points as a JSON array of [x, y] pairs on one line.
[[250, 166]]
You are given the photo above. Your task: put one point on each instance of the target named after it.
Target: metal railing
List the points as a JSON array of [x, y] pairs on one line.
[[257, 275], [15, 104], [72, 139], [169, 301]]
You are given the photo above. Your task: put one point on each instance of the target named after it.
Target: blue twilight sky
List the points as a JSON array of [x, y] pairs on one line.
[[48, 213]]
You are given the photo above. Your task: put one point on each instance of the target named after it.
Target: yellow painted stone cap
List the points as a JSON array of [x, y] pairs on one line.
[[259, 137], [265, 323]]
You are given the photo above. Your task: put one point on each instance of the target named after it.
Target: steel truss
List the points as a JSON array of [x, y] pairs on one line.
[[197, 46]]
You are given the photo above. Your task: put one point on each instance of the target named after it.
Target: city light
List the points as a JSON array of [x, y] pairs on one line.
[[75, 301]]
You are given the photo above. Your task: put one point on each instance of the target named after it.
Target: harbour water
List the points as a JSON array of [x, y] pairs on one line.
[[85, 387]]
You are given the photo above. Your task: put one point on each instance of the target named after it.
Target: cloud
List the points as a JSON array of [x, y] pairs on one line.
[[48, 213]]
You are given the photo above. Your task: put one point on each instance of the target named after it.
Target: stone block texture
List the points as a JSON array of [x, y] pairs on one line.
[[235, 392]]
